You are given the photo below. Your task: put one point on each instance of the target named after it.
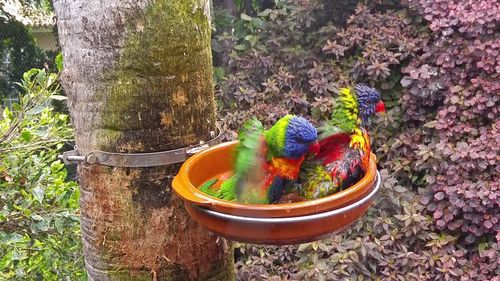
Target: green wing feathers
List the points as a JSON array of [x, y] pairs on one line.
[[227, 189], [250, 141], [246, 164], [207, 188]]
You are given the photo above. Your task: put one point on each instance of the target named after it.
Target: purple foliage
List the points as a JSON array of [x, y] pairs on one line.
[[436, 63], [458, 74]]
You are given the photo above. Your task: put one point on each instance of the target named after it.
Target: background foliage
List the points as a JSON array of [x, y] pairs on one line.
[[459, 74], [436, 63], [39, 223], [18, 49], [437, 66]]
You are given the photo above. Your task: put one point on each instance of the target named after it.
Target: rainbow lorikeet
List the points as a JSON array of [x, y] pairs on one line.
[[344, 144], [265, 160]]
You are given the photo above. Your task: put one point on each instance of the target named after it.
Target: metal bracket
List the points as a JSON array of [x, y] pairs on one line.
[[136, 160]]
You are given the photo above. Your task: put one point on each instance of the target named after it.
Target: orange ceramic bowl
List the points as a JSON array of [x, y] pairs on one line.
[[281, 231], [218, 160], [275, 224]]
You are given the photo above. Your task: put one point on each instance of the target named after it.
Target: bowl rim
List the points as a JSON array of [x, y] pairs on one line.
[[185, 189], [297, 219]]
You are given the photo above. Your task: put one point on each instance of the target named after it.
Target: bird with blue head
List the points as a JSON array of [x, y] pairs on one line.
[[344, 144], [265, 160], [369, 102]]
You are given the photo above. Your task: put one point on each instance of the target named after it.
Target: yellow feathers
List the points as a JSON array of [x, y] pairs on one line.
[[348, 99], [345, 113], [358, 139], [361, 141]]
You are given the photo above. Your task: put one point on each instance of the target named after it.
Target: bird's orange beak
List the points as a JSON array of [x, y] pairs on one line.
[[314, 148], [380, 107]]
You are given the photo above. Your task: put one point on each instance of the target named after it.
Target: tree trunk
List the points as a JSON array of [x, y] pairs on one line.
[[138, 75]]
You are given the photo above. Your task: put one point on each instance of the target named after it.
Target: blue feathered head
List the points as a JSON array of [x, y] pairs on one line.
[[369, 101], [301, 138]]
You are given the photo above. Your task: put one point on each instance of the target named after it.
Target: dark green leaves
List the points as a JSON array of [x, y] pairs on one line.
[[59, 62]]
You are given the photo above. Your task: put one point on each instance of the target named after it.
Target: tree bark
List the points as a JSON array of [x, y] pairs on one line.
[[138, 75]]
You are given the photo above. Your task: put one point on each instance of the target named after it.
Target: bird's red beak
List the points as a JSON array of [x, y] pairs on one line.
[[380, 107], [314, 148]]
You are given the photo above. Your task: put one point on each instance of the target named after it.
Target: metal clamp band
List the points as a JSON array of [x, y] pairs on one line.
[[135, 160]]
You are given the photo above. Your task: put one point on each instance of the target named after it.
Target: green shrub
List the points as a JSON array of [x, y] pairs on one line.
[[39, 223]]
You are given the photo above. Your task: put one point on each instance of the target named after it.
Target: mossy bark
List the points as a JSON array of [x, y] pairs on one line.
[[139, 79]]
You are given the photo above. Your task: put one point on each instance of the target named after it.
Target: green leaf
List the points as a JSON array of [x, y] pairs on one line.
[[16, 107], [41, 75], [304, 246], [6, 260], [12, 239], [51, 79], [26, 135], [43, 225], [431, 124], [59, 62], [246, 17], [20, 272], [219, 73], [258, 23], [28, 74], [38, 193], [265, 13], [482, 246], [58, 223], [19, 256], [314, 245], [261, 47], [37, 110], [251, 39], [37, 217], [40, 133], [7, 114], [240, 47], [56, 166]]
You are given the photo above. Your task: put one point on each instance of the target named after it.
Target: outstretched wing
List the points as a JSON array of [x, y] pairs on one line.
[[250, 146], [250, 163]]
